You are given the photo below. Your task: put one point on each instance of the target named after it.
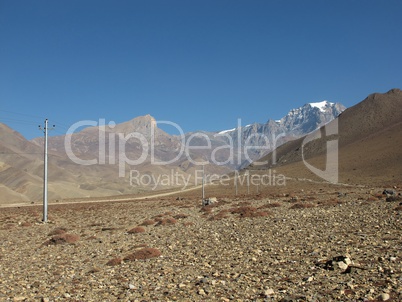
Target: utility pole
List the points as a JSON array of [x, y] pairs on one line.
[[236, 175], [45, 129], [203, 181], [248, 182]]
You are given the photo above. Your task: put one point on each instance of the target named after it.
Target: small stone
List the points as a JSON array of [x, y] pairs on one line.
[[19, 298], [392, 259], [45, 300], [342, 265], [201, 292], [269, 292], [182, 285], [131, 286], [384, 297]]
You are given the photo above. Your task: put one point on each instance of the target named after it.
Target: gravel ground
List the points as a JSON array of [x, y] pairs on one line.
[[302, 246]]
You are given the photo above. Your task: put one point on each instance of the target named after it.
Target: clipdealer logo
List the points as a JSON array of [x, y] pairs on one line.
[[237, 148]]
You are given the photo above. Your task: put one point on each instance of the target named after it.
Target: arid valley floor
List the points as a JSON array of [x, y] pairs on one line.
[[303, 242]]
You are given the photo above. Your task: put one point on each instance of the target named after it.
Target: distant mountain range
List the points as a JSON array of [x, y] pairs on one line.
[[368, 140], [101, 158], [272, 134]]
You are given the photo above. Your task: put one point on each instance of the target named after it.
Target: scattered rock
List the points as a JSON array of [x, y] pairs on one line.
[[388, 192], [269, 292]]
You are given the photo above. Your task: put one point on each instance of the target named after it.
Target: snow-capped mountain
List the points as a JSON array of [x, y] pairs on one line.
[[309, 117], [296, 123]]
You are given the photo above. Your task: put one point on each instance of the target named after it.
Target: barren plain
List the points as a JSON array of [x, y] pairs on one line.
[[302, 242]]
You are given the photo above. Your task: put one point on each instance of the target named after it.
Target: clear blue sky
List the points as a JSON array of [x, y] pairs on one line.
[[200, 64]]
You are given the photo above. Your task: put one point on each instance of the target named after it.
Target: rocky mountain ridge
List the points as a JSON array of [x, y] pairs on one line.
[[98, 160]]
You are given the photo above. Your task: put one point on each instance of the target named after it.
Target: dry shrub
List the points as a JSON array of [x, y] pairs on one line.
[[221, 215], [302, 206], [310, 198], [394, 198], [140, 246], [330, 202], [148, 222], [136, 230], [372, 198], [62, 239], [8, 226], [248, 211], [93, 270], [188, 223], [208, 208], [26, 224], [110, 229], [242, 210], [180, 216], [260, 214], [145, 253], [114, 261], [92, 237], [270, 205], [166, 221], [398, 208], [187, 206], [57, 231]]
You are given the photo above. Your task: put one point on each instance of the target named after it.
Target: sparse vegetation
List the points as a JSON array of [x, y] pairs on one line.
[[136, 230], [145, 253], [114, 261], [302, 206], [148, 222], [63, 238]]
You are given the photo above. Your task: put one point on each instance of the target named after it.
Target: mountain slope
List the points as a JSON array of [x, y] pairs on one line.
[[369, 137]]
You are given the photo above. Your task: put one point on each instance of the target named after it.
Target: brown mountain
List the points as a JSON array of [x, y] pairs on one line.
[[369, 137], [92, 166]]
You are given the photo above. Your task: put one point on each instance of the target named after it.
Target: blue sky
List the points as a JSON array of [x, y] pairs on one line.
[[200, 64]]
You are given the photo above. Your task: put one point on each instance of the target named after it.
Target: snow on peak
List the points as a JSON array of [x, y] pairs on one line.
[[321, 105], [226, 131]]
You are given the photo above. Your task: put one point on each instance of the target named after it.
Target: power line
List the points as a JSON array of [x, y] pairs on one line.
[[6, 119], [31, 122], [21, 153], [22, 114]]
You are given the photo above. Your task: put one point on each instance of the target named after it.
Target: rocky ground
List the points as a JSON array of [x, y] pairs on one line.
[[337, 244]]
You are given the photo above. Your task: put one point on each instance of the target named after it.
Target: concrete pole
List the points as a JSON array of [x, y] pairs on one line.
[[45, 176]]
